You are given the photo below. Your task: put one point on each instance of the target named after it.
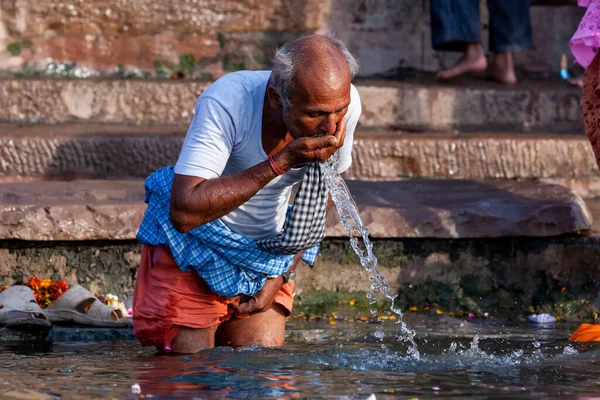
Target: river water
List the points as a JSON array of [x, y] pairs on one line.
[[347, 360]]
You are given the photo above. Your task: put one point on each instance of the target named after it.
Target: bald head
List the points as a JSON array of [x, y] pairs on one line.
[[321, 66], [309, 63]]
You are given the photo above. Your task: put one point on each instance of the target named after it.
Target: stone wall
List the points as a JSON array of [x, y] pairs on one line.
[[205, 38], [503, 276]]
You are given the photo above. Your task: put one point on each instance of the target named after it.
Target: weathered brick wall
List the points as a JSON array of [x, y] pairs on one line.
[[205, 38]]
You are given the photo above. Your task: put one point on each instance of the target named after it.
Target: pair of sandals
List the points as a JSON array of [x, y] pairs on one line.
[[19, 310]]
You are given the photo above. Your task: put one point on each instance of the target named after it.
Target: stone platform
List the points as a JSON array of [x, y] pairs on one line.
[[420, 208]]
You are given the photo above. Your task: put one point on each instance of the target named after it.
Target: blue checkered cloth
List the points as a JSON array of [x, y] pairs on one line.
[[231, 264]]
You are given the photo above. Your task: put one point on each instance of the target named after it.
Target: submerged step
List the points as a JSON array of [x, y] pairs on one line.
[[527, 106], [116, 151], [421, 208]]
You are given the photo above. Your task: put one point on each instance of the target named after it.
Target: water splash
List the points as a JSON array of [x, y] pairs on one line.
[[458, 356], [362, 246]]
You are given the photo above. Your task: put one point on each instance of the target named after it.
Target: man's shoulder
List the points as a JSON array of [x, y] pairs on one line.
[[355, 106], [237, 84]]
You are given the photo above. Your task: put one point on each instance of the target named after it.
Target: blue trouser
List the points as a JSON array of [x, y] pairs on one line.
[[455, 23]]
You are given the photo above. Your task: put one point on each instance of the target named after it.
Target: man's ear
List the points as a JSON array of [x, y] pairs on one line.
[[273, 98]]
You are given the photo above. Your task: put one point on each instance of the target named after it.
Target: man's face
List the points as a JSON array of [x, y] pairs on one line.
[[318, 105]]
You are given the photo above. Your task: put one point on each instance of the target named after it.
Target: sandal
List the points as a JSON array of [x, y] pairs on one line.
[[20, 311], [80, 306]]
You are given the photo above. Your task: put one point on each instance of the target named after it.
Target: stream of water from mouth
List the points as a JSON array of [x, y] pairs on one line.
[[362, 246]]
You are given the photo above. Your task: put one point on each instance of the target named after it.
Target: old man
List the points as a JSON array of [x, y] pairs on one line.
[[220, 238]]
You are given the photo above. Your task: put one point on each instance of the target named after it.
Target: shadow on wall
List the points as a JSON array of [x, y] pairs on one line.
[[113, 156]]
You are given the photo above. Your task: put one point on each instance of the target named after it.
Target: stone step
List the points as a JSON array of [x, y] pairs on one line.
[[549, 106], [84, 210], [117, 151]]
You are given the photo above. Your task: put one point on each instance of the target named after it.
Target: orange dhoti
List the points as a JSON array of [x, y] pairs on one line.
[[167, 298]]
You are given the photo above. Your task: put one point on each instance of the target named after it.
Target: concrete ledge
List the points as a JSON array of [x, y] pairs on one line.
[[529, 106], [69, 334], [112, 210], [117, 151]]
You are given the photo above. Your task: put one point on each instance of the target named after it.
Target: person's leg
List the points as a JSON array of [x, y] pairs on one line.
[[262, 328], [455, 26], [510, 30], [174, 310], [265, 329], [190, 340]]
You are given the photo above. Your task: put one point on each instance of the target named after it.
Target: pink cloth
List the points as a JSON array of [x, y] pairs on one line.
[[585, 42]]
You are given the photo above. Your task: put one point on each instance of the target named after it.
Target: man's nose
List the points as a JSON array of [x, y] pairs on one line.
[[329, 124]]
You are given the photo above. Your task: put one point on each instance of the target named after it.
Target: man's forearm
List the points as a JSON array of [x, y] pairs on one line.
[[196, 201], [213, 198]]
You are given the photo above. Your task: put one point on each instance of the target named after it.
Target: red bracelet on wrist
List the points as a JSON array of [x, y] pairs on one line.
[[275, 168]]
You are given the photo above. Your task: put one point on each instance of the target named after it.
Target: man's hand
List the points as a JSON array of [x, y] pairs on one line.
[[261, 301], [311, 149]]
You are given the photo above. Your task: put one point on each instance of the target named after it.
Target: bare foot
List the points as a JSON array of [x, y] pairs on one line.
[[576, 81], [503, 69], [472, 61]]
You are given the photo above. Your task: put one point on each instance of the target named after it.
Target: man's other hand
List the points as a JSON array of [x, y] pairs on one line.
[[261, 301]]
